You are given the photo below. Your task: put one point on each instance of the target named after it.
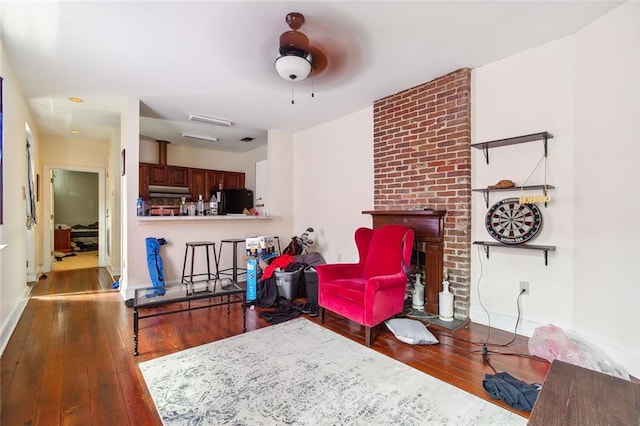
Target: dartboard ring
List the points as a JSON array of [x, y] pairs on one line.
[[510, 222]]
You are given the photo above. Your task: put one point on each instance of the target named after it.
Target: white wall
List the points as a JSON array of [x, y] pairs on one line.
[[333, 183], [504, 106], [606, 293], [113, 206], [13, 273], [584, 91]]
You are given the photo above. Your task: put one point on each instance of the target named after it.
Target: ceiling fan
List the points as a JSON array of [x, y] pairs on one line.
[[298, 59]]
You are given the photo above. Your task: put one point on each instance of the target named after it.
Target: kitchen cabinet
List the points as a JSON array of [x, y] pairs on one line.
[[233, 180], [158, 174], [215, 178], [178, 176], [199, 184], [143, 180], [161, 174], [199, 181]]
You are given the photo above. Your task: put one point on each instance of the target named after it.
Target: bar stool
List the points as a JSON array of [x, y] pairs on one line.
[[188, 278], [234, 269]]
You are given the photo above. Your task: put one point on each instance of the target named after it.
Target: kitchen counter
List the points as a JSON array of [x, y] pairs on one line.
[[201, 218]]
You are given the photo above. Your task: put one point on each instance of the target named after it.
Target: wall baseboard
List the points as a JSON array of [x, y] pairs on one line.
[[114, 272], [630, 361], [12, 320]]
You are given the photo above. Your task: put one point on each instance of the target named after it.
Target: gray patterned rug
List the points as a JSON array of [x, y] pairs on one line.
[[299, 373]]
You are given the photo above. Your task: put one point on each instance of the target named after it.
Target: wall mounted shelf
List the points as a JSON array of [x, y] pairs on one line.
[[486, 191], [487, 244], [541, 136]]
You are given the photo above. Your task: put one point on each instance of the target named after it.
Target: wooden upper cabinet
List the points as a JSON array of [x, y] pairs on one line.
[[199, 181], [198, 185], [233, 180], [160, 174], [143, 180], [178, 176], [214, 179]]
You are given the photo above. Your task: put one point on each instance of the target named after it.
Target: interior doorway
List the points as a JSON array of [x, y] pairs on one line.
[[74, 205]]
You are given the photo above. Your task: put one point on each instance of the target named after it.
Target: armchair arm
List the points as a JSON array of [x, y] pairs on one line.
[[384, 297], [386, 282], [336, 271]]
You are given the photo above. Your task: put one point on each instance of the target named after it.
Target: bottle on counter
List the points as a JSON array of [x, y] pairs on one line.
[[192, 209], [200, 205], [213, 205], [220, 197], [140, 206], [183, 207]]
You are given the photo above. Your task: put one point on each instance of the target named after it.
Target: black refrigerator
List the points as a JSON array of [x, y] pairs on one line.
[[234, 201]]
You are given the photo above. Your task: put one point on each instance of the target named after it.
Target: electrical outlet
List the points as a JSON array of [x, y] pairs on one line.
[[524, 287]]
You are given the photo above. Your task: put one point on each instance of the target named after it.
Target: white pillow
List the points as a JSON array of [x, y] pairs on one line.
[[410, 331]]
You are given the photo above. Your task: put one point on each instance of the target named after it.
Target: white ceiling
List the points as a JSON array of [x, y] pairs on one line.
[[217, 58]]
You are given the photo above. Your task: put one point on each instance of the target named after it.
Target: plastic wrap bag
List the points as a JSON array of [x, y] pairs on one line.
[[550, 342]]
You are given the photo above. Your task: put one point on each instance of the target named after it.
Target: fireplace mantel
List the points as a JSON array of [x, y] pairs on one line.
[[428, 226]]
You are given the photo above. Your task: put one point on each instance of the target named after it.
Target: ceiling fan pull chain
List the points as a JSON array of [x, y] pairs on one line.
[[312, 89], [292, 101]]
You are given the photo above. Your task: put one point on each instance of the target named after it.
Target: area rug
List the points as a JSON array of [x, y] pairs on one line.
[[299, 373]]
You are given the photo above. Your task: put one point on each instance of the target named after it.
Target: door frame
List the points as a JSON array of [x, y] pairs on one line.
[[47, 231]]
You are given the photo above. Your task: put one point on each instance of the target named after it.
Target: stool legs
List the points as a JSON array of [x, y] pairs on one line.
[[235, 262], [235, 268], [188, 278]]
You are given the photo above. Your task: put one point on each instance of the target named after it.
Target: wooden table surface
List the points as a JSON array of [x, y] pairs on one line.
[[573, 395]]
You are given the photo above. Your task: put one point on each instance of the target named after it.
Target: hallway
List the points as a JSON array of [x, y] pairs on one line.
[[76, 260]]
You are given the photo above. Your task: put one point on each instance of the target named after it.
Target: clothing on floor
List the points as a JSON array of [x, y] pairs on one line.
[[284, 311], [512, 391]]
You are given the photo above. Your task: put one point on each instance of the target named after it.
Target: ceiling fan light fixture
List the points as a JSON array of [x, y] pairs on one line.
[[210, 120], [199, 137], [293, 68]]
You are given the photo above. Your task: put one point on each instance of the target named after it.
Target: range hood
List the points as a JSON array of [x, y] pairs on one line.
[[160, 191]]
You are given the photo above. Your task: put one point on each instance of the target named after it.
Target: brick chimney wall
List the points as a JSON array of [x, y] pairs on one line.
[[422, 159]]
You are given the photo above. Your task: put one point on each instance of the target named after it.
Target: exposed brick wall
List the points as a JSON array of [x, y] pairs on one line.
[[422, 159]]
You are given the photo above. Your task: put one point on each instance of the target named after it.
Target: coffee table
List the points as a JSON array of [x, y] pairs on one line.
[[182, 295]]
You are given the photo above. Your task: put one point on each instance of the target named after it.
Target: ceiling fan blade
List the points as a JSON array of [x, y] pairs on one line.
[[294, 43], [318, 60]]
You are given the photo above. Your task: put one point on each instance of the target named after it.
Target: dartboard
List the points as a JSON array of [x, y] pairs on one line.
[[510, 222]]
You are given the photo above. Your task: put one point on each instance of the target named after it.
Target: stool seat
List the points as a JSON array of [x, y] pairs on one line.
[[233, 240], [208, 276]]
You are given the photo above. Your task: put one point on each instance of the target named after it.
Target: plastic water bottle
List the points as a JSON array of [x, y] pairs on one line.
[[213, 205], [200, 206], [140, 207]]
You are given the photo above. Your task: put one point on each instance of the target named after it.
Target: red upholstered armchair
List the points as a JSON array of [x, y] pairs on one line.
[[372, 290]]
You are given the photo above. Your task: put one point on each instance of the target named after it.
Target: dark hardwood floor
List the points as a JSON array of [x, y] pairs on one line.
[[70, 360]]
